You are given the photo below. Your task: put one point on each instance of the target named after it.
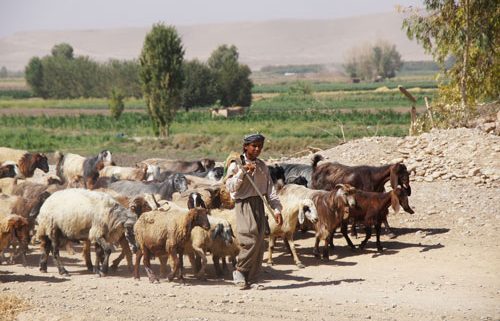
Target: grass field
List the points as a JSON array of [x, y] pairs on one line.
[[293, 123]]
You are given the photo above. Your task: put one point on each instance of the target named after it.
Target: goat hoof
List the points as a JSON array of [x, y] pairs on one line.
[[270, 263], [300, 265], [391, 235], [63, 272], [380, 249], [113, 268]]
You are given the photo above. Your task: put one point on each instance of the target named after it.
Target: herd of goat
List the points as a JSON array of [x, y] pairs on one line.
[[167, 209]]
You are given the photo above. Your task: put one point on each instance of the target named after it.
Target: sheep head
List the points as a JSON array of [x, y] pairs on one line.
[[307, 209]]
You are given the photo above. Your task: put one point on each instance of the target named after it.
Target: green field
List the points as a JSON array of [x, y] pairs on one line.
[[293, 123]]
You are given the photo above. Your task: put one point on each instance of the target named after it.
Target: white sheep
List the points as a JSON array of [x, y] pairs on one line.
[[78, 214], [139, 173], [71, 168], [221, 250], [297, 205], [164, 233]]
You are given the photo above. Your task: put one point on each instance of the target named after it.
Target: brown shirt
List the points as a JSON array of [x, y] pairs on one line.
[[240, 188]]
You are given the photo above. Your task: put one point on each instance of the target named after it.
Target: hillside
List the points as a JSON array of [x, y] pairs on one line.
[[278, 42]]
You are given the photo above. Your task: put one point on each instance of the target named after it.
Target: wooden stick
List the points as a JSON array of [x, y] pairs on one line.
[[429, 111]]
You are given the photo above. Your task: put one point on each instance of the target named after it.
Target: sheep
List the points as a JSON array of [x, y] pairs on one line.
[[176, 183], [293, 171], [12, 225], [26, 162], [9, 170], [128, 173], [78, 214], [71, 168], [161, 233], [179, 166], [296, 207], [365, 178], [372, 208], [222, 250]]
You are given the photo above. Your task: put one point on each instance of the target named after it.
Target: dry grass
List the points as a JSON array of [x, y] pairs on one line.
[[11, 306]]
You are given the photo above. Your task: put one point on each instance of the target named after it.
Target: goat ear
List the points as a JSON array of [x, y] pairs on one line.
[[395, 201], [302, 215], [394, 175]]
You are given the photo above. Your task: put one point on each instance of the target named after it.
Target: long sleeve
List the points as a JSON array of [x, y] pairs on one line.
[[236, 176]]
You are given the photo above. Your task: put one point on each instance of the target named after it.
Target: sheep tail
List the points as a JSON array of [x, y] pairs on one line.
[[316, 159]]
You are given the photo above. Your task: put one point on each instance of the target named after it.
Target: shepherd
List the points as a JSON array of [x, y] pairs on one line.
[[250, 185]]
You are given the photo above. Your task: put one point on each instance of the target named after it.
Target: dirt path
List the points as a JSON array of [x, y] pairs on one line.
[[443, 265]]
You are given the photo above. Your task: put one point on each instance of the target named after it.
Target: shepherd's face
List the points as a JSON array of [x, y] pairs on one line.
[[253, 149]]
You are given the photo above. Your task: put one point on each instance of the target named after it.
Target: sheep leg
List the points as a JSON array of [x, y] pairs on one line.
[[106, 247], [86, 255], [98, 258], [163, 266], [124, 253], [343, 229], [368, 232], [218, 271], [377, 231], [138, 257], [272, 240], [56, 242], [289, 240], [200, 254], [174, 265], [45, 245], [147, 266]]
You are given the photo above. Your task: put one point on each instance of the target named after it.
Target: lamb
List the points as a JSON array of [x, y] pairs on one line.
[[296, 207], [221, 250], [372, 208], [176, 183], [71, 168], [12, 225], [161, 233], [78, 214], [26, 162]]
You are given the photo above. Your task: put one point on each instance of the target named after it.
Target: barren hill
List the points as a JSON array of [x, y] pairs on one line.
[[276, 42]]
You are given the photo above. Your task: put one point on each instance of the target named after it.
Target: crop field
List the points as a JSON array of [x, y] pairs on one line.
[[294, 123]]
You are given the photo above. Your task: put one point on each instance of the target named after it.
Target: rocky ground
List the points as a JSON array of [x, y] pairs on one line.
[[444, 263]]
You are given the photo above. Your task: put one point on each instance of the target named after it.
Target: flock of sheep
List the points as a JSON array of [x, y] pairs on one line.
[[168, 209]]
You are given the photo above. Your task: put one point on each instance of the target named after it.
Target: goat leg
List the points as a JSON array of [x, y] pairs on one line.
[[377, 231], [316, 248], [288, 239], [272, 240], [147, 266], [326, 253], [368, 232], [343, 229], [218, 271], [387, 229]]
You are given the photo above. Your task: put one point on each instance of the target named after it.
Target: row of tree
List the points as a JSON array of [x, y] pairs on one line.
[[62, 75]]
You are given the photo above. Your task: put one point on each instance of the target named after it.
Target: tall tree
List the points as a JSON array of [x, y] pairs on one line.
[[469, 31], [161, 75], [234, 86], [33, 74]]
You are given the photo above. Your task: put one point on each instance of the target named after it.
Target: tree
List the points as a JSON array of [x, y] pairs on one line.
[[116, 104], [234, 86], [199, 85], [373, 61], [33, 74], [468, 31], [62, 50], [4, 73], [161, 75]]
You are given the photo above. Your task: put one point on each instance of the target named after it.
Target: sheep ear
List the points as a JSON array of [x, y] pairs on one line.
[[302, 215], [217, 231]]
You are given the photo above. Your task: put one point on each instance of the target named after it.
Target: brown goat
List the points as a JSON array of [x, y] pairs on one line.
[[372, 208], [332, 207], [366, 178], [30, 162]]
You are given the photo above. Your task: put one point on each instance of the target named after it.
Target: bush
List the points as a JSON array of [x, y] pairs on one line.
[[116, 104]]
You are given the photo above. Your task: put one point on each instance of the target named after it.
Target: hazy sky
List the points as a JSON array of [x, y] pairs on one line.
[[23, 15]]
